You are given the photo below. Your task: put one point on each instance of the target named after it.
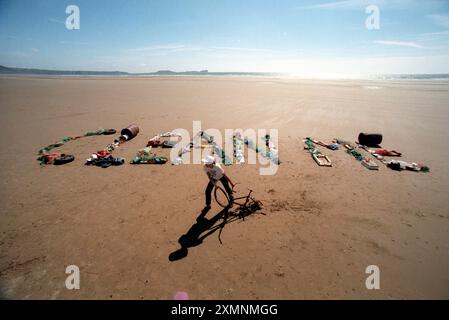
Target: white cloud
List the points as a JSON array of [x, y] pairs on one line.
[[441, 20], [185, 49], [441, 33], [163, 47], [162, 50], [400, 43], [35, 50], [243, 49]]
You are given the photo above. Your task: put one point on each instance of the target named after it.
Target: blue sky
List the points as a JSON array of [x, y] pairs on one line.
[[322, 37]]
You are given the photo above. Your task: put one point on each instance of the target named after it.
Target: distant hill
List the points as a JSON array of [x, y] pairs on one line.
[[6, 70], [25, 71]]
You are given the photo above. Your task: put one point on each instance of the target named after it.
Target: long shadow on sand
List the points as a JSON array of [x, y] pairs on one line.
[[202, 229]]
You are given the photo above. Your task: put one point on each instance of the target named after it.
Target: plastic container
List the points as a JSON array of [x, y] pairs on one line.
[[370, 139], [131, 131]]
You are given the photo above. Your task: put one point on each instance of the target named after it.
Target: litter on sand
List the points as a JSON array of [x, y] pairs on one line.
[[370, 139], [369, 143], [56, 158], [158, 141], [269, 152], [357, 155], [197, 142], [372, 152], [215, 148], [402, 165], [238, 144], [380, 155], [387, 153], [342, 142], [321, 159], [45, 157], [186, 149], [370, 164], [353, 151], [144, 156], [106, 162], [169, 134], [103, 158], [129, 132], [333, 146]]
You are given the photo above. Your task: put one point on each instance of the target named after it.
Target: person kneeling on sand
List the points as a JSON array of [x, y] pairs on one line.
[[215, 173]]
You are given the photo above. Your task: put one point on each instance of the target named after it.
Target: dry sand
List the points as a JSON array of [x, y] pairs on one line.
[[322, 228]]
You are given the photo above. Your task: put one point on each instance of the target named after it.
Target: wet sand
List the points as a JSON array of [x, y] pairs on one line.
[[322, 226]]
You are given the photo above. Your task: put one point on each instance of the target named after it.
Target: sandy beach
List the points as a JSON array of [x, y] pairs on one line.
[[322, 226]]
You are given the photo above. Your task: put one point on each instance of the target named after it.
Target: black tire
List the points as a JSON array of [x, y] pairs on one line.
[[221, 196], [63, 159], [108, 132]]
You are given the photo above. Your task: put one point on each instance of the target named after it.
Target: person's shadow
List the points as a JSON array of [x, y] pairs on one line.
[[195, 236]]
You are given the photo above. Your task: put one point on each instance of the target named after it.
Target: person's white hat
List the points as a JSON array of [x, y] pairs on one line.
[[209, 160]]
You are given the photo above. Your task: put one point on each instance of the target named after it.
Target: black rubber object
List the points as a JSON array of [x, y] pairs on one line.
[[108, 132], [370, 139], [63, 159], [218, 193], [159, 160], [169, 144], [394, 166]]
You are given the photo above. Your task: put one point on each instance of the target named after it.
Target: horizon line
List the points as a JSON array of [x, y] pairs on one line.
[[200, 72]]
